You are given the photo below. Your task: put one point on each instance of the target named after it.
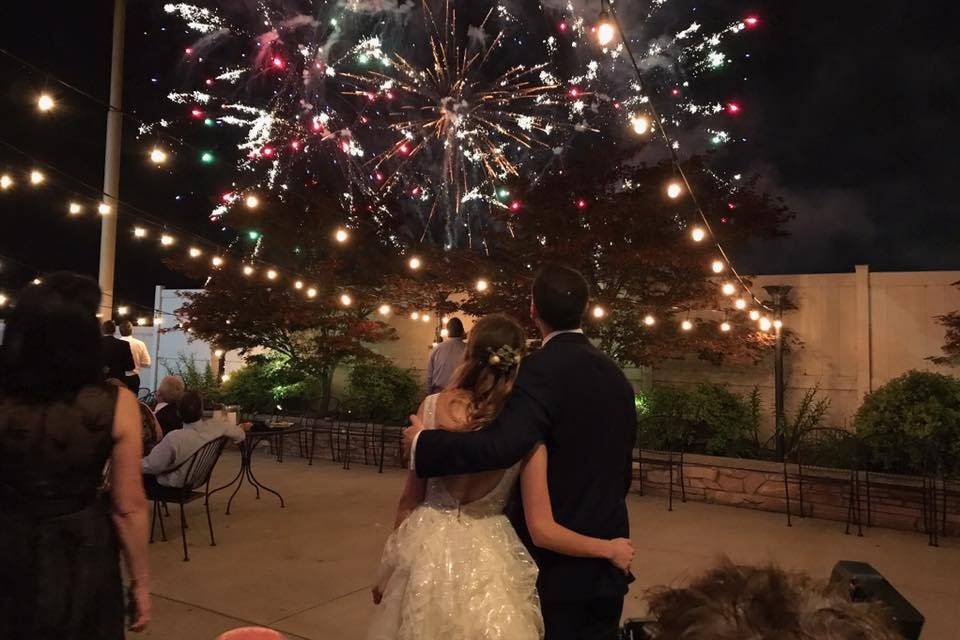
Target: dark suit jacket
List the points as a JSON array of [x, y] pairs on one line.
[[169, 418], [117, 357], [576, 400]]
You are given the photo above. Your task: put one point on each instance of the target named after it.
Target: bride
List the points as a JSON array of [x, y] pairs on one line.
[[454, 568]]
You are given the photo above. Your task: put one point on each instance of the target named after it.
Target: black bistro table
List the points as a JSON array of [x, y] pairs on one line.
[[249, 444]]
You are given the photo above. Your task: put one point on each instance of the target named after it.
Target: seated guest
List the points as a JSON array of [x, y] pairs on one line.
[[760, 603], [164, 465], [168, 394]]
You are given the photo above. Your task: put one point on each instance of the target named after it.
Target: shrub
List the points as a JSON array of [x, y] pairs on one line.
[[267, 384], [200, 379], [382, 391], [910, 420]]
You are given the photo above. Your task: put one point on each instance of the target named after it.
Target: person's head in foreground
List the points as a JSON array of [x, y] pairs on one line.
[[490, 365], [170, 389], [126, 329], [51, 342], [455, 329], [190, 407], [763, 603], [560, 297]]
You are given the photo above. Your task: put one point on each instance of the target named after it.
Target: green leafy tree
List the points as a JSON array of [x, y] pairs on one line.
[[382, 391]]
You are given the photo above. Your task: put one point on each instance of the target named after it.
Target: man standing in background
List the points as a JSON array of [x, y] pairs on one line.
[[117, 356], [446, 357], [141, 356]]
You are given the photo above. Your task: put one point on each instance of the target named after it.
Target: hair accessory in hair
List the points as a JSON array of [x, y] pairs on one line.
[[505, 358]]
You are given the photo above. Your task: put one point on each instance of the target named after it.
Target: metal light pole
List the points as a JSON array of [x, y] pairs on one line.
[[778, 295], [111, 165]]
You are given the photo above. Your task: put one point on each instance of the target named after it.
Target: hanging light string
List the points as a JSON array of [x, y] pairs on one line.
[[607, 8]]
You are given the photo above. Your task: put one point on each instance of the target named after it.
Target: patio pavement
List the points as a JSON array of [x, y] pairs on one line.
[[305, 570]]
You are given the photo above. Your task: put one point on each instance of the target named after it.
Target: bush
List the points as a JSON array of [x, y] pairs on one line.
[[200, 379], [910, 420], [383, 392], [267, 384]]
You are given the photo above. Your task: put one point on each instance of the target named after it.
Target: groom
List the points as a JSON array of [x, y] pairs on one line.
[[575, 399]]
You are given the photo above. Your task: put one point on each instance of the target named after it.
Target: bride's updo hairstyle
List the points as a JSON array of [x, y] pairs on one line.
[[494, 347]]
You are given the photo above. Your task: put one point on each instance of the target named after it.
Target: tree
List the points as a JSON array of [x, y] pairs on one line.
[[612, 220], [951, 344]]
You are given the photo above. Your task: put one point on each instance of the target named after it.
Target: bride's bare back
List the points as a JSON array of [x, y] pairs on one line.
[[451, 415]]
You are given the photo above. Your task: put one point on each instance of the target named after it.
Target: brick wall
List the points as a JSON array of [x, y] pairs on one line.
[[894, 501]]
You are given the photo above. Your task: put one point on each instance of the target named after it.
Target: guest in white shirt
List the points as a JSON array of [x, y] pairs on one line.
[[141, 356], [165, 464], [446, 357]]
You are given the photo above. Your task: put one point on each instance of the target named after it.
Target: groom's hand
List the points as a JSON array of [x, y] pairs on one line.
[[410, 435]]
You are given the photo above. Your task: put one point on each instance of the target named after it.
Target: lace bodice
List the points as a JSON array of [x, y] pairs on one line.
[[438, 497]]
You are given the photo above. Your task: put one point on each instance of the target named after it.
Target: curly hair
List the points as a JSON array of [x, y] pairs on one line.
[[489, 381], [764, 603]]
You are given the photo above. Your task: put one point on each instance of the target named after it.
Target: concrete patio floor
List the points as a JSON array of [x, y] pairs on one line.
[[305, 570]]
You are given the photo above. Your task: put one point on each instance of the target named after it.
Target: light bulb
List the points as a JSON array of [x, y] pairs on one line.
[[104, 209], [225, 377], [45, 103], [341, 235], [778, 323], [444, 333], [217, 261], [415, 315], [384, 309], [158, 156], [5, 182], [414, 263], [649, 320], [166, 240], [444, 320], [37, 177], [271, 274], [740, 304], [717, 266], [195, 253], [311, 293], [606, 32], [599, 312], [248, 270], [725, 326], [765, 323], [298, 285], [698, 234], [3, 300], [139, 232], [728, 289], [75, 208], [425, 317], [252, 202], [674, 189], [37, 281], [686, 325], [141, 322], [482, 285], [754, 315], [218, 353], [346, 300], [640, 124], [122, 311]]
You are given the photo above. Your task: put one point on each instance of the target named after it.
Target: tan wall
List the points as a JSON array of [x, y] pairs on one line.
[[858, 331]]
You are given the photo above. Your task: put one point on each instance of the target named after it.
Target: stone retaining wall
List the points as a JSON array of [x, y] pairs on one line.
[[894, 501]]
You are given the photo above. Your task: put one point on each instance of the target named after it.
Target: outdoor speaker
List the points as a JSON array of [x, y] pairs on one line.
[[865, 584]]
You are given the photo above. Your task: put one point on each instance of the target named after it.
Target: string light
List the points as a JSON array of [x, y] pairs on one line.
[[104, 209], [640, 124], [225, 377], [298, 285], [728, 289], [778, 323], [606, 32], [384, 309], [75, 208], [674, 189], [139, 232], [686, 325], [425, 317], [725, 326], [599, 312], [754, 315], [698, 234], [482, 285], [195, 253], [3, 300], [649, 320], [311, 293], [122, 311], [141, 322], [216, 261], [415, 315], [37, 177], [740, 304], [5, 182], [346, 300], [765, 323], [37, 281], [158, 156], [218, 353], [252, 202], [271, 274], [341, 235], [46, 103], [166, 240], [444, 333], [414, 263], [247, 270], [717, 266], [444, 320]]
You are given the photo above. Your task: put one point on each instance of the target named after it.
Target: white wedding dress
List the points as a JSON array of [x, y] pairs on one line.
[[457, 571]]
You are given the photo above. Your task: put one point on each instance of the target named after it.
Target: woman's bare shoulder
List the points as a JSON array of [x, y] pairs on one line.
[[452, 409]]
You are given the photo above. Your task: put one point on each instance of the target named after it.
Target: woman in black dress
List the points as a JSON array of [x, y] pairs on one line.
[[59, 425]]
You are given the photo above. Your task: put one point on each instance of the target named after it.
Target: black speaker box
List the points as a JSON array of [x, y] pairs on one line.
[[865, 584]]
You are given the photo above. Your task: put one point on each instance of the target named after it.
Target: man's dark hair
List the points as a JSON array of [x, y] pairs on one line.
[[108, 328], [126, 328], [190, 407], [560, 296], [455, 328]]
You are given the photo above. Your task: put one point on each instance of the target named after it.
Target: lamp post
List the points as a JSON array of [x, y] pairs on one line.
[[111, 163], [778, 295]]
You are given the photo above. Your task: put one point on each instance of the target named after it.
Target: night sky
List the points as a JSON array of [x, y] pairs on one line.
[[849, 115]]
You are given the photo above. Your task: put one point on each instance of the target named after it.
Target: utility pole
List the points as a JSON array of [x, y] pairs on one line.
[[111, 166], [778, 295]]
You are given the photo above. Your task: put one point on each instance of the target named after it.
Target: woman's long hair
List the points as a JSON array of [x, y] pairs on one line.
[[489, 366], [51, 342]]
